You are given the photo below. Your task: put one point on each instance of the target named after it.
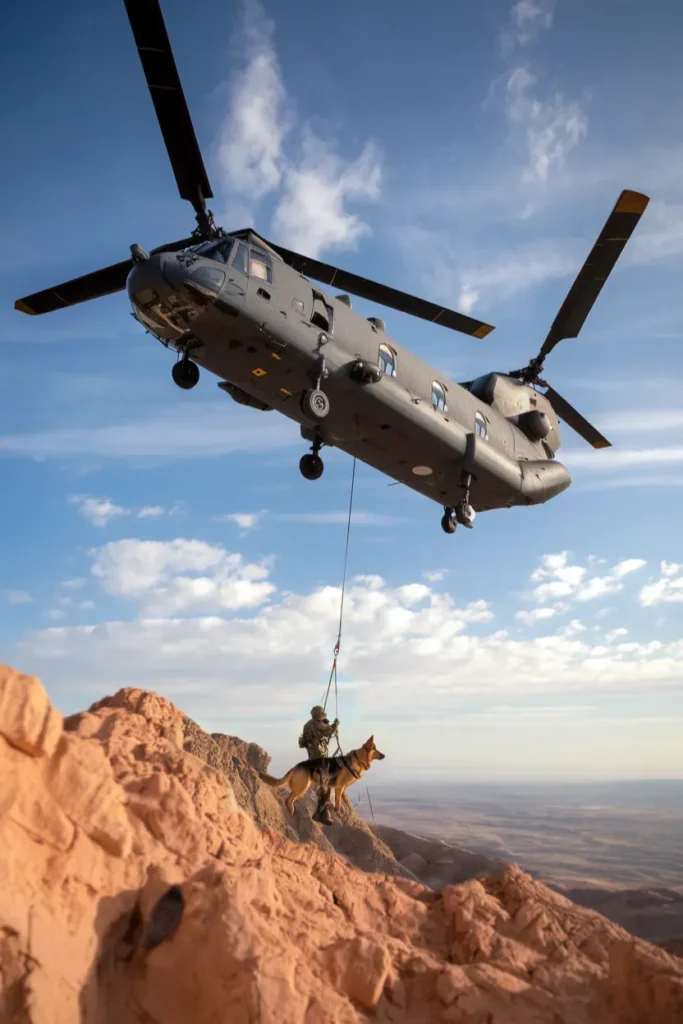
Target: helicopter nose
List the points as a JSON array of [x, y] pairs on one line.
[[146, 281]]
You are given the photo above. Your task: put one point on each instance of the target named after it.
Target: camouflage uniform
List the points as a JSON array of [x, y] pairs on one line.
[[317, 733], [315, 737]]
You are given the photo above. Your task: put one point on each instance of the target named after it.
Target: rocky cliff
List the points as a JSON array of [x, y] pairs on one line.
[[145, 876]]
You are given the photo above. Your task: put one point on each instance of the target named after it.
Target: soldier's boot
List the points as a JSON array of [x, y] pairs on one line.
[[322, 813]]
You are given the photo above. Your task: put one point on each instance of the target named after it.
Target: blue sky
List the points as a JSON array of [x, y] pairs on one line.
[[467, 152]]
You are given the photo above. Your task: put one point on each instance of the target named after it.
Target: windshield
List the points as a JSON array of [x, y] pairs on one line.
[[214, 250]]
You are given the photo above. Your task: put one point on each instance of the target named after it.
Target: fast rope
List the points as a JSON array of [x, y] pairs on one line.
[[337, 646]]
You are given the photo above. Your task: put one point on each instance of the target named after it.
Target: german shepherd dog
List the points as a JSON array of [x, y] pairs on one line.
[[330, 773]]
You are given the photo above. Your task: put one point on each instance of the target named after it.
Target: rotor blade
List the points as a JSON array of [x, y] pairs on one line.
[[161, 73], [575, 420], [618, 228], [90, 286], [382, 294]]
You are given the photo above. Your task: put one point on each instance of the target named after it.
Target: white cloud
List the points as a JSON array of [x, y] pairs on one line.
[[638, 421], [180, 576], [314, 185], [629, 565], [668, 589], [16, 596], [615, 634], [55, 614], [358, 518], [434, 575], [250, 148], [529, 17], [617, 458], [535, 615], [150, 512], [504, 275], [97, 511], [406, 650], [311, 215], [559, 580], [76, 584], [245, 520], [551, 128]]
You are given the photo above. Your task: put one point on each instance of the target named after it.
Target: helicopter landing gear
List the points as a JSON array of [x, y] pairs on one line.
[[449, 524], [464, 513], [311, 465], [185, 373]]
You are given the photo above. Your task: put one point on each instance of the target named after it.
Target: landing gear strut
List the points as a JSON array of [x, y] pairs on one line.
[[312, 465], [463, 513]]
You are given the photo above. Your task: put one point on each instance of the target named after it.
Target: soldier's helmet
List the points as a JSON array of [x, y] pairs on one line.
[[317, 711]]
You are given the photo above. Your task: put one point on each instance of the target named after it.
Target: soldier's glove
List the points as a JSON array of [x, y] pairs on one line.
[[335, 723]]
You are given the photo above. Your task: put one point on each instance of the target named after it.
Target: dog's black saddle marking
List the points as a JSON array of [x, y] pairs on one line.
[[328, 768]]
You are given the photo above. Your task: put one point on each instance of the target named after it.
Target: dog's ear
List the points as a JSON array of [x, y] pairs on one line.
[[369, 744]]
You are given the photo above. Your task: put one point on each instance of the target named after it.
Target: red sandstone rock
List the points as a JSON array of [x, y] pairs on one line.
[[95, 831]]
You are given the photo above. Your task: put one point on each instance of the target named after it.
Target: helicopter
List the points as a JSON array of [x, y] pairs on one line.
[[245, 309]]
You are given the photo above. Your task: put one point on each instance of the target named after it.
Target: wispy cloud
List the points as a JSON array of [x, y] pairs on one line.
[[618, 458], [528, 18], [151, 512], [245, 520], [16, 596], [359, 518], [97, 511], [640, 421], [312, 182], [551, 127], [197, 430]]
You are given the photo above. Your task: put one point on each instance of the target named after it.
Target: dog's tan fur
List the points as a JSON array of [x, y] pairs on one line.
[[305, 774]]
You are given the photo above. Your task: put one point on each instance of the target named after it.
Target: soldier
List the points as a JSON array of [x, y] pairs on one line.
[[317, 733], [315, 737]]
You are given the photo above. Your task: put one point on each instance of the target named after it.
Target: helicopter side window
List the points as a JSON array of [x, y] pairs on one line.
[[323, 314], [480, 426], [240, 260], [438, 396], [387, 360], [260, 266]]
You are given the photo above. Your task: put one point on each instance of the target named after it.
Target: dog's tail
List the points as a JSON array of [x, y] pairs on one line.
[[270, 780]]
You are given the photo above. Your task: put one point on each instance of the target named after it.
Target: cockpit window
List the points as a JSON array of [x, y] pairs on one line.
[[438, 396], [480, 425], [260, 266], [387, 360], [240, 260]]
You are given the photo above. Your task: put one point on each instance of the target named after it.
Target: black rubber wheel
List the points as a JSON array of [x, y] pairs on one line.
[[311, 467], [448, 523], [315, 404], [185, 373]]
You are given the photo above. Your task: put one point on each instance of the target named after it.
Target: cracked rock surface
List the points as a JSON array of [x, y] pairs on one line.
[[147, 877]]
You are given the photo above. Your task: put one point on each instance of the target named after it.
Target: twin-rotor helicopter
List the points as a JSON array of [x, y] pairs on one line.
[[246, 310]]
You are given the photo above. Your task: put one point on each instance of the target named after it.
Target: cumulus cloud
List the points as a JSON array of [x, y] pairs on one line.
[[313, 182], [97, 511], [407, 650], [535, 615], [180, 576], [311, 215], [668, 589], [562, 582]]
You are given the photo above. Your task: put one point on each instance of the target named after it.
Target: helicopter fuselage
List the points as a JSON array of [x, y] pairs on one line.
[[270, 335]]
